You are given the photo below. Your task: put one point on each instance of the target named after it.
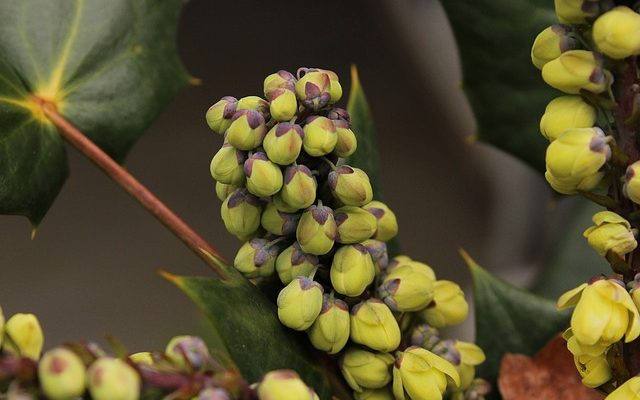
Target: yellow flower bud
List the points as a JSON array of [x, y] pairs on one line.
[[241, 213], [632, 182], [62, 374], [113, 379], [283, 143], [420, 374], [352, 270], [610, 233], [279, 80], [580, 349], [575, 158], [227, 165], [594, 371], [189, 353], [254, 103], [574, 70], [300, 303], [449, 306], [335, 89], [630, 390], [284, 104], [355, 224], [256, 258], [330, 331], [316, 230], [247, 130], [314, 89], [387, 225], [401, 260], [550, 43], [366, 370], [284, 385], [374, 394], [220, 114], [320, 136], [566, 112], [373, 325], [223, 190], [299, 187], [407, 288], [378, 251], [294, 262], [23, 336], [278, 222], [576, 11], [264, 178], [604, 313], [617, 33], [347, 142], [142, 357], [350, 186]]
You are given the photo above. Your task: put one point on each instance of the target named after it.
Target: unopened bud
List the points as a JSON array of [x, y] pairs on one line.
[[264, 178], [113, 379], [425, 336], [299, 187], [330, 331], [347, 142], [407, 288], [279, 80], [575, 70], [23, 336], [632, 182], [284, 104], [62, 374], [550, 43], [294, 262], [387, 224], [611, 232], [366, 370], [284, 385], [247, 130], [576, 11], [617, 33], [254, 103], [320, 136], [373, 325], [283, 143], [566, 112], [314, 90], [350, 186], [223, 190], [189, 353], [378, 251], [299, 303], [317, 230], [278, 222], [142, 357], [256, 258], [355, 224], [220, 114], [449, 306], [352, 270], [227, 165], [241, 213]]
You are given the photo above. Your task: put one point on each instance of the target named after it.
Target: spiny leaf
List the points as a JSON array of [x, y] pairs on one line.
[[505, 90], [109, 67]]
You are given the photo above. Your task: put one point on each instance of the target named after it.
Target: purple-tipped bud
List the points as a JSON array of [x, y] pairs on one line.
[[317, 230], [350, 186], [313, 90], [299, 187], [294, 262], [278, 222], [279, 80], [283, 143], [247, 130], [227, 165], [320, 136], [220, 114], [241, 213], [264, 178], [256, 258], [190, 353]]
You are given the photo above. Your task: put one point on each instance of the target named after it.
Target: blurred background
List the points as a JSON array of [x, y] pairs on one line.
[[92, 268]]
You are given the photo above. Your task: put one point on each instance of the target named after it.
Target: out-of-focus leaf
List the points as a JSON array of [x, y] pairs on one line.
[[509, 319], [107, 66], [505, 90]]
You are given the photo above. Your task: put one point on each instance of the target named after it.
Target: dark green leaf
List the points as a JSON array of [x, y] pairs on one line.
[[505, 90], [108, 67], [255, 339], [509, 319]]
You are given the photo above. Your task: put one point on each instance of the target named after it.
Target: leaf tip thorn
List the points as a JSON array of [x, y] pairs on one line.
[[471, 263], [169, 276]]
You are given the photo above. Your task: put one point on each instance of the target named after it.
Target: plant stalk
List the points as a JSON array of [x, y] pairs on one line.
[[132, 186]]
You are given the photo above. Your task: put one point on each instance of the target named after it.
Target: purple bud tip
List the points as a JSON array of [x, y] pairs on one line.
[[376, 212], [345, 169], [282, 128], [363, 250], [341, 217], [259, 155], [242, 195], [321, 214], [629, 174], [598, 144], [248, 167], [333, 180], [311, 91], [308, 283], [254, 119]]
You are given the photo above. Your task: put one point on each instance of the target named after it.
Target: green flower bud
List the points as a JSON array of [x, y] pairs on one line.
[[425, 336], [247, 130], [227, 165], [354, 224], [617, 33], [387, 224], [350, 186], [284, 385], [223, 190], [630, 390], [610, 233], [366, 370], [352, 270], [300, 303], [576, 11], [256, 258], [448, 307], [550, 43], [316, 230], [420, 374], [142, 358], [113, 379], [575, 70], [574, 160], [62, 374], [299, 188], [330, 331], [284, 104], [280, 203], [241, 213], [631, 186], [407, 288], [220, 114], [279, 80], [189, 353], [294, 262], [374, 394], [277, 222], [378, 251], [347, 142], [283, 143], [314, 89], [264, 178], [23, 336], [566, 112], [254, 103], [320, 136], [400, 261], [373, 325]]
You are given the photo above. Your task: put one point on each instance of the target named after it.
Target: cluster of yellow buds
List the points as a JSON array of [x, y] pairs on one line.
[[311, 219], [590, 55]]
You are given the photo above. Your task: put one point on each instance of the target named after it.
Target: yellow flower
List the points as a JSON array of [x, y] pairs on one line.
[[617, 33], [604, 313], [630, 390], [550, 43], [632, 182], [575, 70], [419, 374], [366, 370], [566, 112], [610, 233], [576, 11], [24, 336], [574, 160], [449, 306]]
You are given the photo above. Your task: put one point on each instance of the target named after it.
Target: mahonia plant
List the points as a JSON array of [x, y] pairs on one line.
[[312, 220], [594, 150]]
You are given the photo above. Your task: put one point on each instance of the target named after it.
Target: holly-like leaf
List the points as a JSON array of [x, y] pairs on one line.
[[254, 337], [107, 66], [509, 319], [505, 90]]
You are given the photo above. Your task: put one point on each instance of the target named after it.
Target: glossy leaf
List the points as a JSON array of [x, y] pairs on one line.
[[108, 67], [510, 319], [254, 337], [505, 90]]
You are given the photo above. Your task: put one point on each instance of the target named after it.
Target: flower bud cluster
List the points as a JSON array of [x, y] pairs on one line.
[[310, 219]]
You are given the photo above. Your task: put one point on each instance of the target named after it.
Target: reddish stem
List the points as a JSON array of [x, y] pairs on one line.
[[132, 186]]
